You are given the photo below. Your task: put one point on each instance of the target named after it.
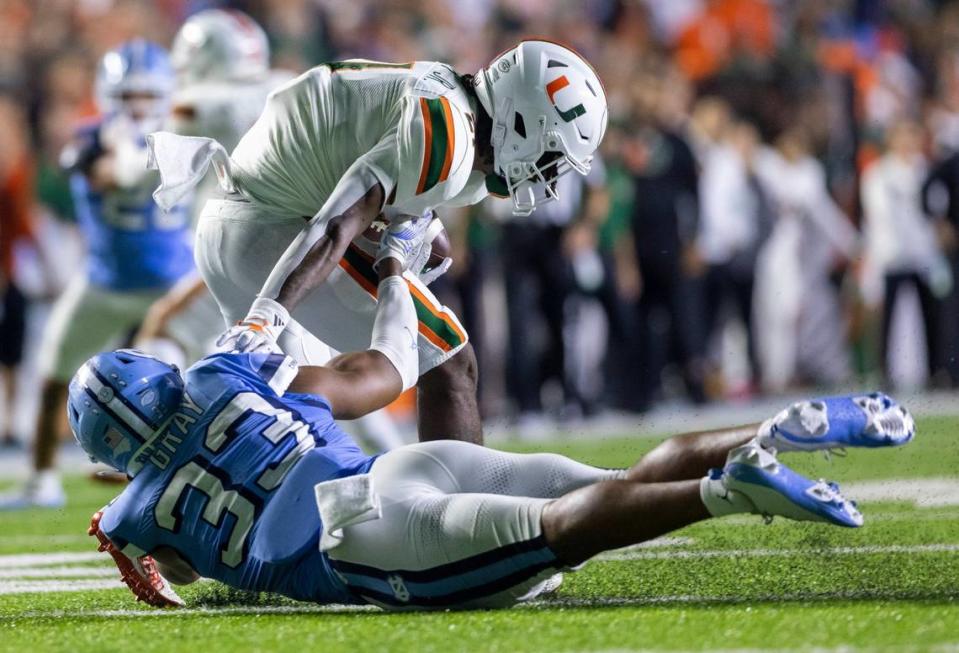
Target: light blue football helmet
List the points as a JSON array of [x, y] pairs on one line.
[[137, 67], [117, 401]]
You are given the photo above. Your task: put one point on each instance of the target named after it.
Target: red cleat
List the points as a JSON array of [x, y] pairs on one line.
[[139, 574]]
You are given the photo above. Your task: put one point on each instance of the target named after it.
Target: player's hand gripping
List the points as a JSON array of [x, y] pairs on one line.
[[405, 240], [258, 331]]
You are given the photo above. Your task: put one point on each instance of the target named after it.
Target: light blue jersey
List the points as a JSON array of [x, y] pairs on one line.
[[132, 244], [229, 482]]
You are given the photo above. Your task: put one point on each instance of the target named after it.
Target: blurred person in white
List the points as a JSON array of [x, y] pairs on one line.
[[222, 62], [223, 77], [736, 220], [135, 251], [803, 333], [708, 121], [901, 247]]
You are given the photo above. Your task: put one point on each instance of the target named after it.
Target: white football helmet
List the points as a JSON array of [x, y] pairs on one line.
[[549, 116], [220, 45]]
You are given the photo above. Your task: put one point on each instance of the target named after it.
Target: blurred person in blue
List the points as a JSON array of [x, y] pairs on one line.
[[135, 251], [240, 474]]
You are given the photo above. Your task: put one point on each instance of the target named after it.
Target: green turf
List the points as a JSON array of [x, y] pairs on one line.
[[727, 584]]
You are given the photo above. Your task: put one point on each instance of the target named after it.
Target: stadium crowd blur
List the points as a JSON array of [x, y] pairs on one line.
[[775, 206]]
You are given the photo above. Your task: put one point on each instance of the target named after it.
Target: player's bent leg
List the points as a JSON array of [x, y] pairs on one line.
[[689, 455], [442, 551], [614, 514], [446, 400]]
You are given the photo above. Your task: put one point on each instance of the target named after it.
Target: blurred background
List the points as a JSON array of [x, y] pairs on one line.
[[774, 210]]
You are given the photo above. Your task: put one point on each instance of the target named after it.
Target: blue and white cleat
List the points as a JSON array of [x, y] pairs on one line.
[[754, 481], [873, 420]]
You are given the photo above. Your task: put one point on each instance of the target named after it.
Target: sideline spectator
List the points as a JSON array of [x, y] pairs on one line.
[[16, 226], [900, 241], [736, 221]]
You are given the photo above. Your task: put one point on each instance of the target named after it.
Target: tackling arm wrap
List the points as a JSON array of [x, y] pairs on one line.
[[352, 187], [395, 327]]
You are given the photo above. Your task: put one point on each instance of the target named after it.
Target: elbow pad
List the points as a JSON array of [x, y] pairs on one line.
[[395, 328], [350, 189]]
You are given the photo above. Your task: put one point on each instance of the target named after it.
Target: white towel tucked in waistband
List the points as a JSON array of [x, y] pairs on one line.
[[182, 162], [345, 502]]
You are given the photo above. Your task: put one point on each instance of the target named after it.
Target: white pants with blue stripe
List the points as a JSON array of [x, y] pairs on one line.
[[460, 527]]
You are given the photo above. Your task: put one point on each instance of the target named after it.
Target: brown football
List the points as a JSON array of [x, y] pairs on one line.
[[370, 239], [440, 240]]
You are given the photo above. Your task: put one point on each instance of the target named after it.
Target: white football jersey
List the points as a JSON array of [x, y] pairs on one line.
[[411, 125]]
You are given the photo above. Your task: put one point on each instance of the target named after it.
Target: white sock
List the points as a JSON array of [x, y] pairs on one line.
[[721, 501]]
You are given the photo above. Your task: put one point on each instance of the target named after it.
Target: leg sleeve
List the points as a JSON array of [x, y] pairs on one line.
[[463, 467]]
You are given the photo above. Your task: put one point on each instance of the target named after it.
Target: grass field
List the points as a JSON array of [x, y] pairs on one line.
[[729, 584]]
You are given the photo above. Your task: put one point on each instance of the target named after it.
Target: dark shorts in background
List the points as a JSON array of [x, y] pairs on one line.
[[13, 323]]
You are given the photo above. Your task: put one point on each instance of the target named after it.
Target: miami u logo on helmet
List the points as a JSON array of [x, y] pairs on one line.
[[554, 87]]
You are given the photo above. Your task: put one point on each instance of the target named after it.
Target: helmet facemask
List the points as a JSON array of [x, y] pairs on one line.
[[531, 181]]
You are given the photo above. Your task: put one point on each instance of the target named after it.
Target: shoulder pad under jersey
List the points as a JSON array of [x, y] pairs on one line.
[[435, 150]]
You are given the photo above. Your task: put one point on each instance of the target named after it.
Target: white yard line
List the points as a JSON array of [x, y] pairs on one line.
[[633, 553], [307, 608], [59, 572], [14, 569], [37, 559], [179, 612], [47, 586], [9, 540], [921, 492]]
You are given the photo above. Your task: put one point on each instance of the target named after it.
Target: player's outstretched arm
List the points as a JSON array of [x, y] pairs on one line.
[[327, 250], [358, 383], [308, 261]]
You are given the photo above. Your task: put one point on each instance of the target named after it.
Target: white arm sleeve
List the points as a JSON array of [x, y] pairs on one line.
[[375, 167], [394, 329]]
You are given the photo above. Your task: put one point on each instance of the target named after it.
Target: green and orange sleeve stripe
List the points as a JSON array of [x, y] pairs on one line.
[[439, 142], [434, 324]]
